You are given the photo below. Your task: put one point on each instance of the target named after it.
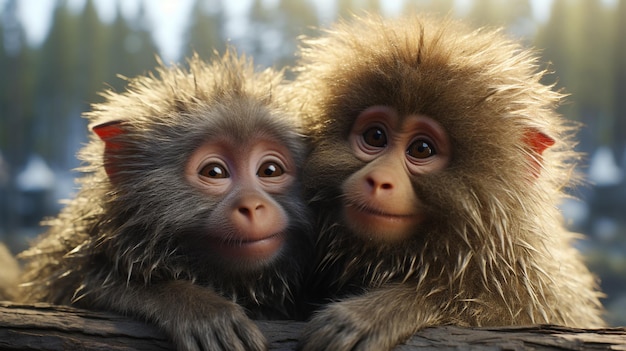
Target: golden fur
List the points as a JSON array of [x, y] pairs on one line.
[[494, 251]]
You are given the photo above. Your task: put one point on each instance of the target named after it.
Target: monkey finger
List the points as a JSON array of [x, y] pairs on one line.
[[324, 333], [326, 341], [220, 340], [238, 334], [251, 336]]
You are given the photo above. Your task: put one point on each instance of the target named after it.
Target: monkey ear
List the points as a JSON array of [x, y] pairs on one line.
[[108, 130], [109, 133], [538, 142]]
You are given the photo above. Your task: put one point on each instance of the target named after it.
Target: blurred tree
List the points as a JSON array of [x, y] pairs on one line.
[[278, 27], [260, 20], [619, 89], [486, 13], [139, 46], [206, 30], [58, 92], [21, 94], [92, 55], [299, 18], [591, 61], [4, 85], [118, 39], [439, 7], [371, 6], [515, 15], [82, 54], [16, 108], [129, 49], [347, 8], [555, 40], [518, 18]]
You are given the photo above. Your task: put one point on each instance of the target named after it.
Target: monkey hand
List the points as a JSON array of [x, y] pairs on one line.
[[342, 327], [378, 320], [216, 327]]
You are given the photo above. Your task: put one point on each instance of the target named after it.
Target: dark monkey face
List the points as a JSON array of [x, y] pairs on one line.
[[247, 225], [215, 190]]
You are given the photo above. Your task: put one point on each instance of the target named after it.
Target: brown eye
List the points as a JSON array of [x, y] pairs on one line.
[[214, 170], [270, 169], [421, 149], [375, 137]]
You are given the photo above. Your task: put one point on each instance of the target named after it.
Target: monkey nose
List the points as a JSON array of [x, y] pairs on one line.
[[256, 218], [377, 183], [251, 210]]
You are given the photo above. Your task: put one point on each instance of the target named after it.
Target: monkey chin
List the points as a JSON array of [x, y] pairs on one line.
[[378, 226]]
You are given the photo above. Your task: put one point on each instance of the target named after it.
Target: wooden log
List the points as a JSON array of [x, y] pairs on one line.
[[49, 327]]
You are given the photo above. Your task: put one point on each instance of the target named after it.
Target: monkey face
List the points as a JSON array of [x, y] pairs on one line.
[[219, 190], [247, 224], [379, 201]]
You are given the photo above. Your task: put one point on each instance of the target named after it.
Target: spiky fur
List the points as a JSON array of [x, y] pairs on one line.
[[494, 250], [131, 230]]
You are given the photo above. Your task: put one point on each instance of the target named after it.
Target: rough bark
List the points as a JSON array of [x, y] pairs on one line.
[[47, 327]]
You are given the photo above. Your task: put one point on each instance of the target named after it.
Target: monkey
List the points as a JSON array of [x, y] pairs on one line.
[[438, 159], [190, 212], [9, 274]]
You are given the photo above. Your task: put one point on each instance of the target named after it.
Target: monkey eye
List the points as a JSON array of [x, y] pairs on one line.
[[375, 136], [270, 169], [421, 149], [214, 170]]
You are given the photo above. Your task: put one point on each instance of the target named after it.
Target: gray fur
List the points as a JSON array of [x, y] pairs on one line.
[[127, 243]]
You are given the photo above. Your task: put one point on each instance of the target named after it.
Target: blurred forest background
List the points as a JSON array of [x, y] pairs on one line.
[[46, 82]]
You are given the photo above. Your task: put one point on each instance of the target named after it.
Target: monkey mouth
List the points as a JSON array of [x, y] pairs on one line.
[[379, 213], [375, 222], [251, 249]]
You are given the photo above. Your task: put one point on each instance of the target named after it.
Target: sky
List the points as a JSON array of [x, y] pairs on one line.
[[171, 15]]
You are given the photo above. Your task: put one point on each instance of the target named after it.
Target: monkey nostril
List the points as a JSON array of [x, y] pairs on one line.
[[250, 210], [386, 186], [244, 211], [374, 184]]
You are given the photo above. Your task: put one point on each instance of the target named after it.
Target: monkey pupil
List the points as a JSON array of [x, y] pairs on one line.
[[375, 137], [270, 170], [216, 171], [420, 149]]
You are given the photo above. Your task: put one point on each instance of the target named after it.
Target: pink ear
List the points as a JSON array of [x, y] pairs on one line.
[[108, 132], [538, 142]]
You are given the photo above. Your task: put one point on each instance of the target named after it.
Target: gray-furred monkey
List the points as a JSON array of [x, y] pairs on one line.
[[190, 213], [438, 161]]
